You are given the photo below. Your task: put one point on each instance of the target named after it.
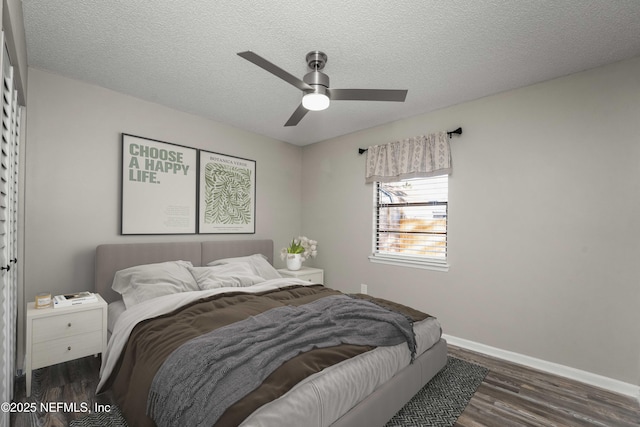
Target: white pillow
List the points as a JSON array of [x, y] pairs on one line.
[[143, 282], [114, 310], [235, 274], [258, 263]]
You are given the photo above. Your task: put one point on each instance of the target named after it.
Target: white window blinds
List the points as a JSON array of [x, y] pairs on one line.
[[410, 219]]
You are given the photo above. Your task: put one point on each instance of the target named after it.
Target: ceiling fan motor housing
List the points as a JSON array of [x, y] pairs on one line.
[[317, 80]]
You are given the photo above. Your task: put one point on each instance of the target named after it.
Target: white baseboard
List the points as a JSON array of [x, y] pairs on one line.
[[596, 380]]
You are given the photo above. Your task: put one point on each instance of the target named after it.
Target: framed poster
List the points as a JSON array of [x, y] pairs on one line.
[[227, 194], [158, 187]]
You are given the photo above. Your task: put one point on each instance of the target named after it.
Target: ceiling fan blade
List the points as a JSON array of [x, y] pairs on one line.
[[274, 69], [296, 116], [367, 95]]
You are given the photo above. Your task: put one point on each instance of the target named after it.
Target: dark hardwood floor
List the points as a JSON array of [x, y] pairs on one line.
[[510, 395], [515, 395], [73, 383]]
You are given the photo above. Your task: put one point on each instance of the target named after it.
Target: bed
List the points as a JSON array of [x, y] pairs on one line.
[[363, 388]]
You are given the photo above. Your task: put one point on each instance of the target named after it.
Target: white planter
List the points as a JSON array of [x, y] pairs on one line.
[[294, 262]]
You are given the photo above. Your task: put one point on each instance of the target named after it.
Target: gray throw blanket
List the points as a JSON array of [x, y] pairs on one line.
[[206, 375]]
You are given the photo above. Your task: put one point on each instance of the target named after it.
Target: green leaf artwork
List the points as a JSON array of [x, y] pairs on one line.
[[227, 194]]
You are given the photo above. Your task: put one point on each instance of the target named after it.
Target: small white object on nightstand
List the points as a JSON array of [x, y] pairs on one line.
[[62, 334], [308, 274]]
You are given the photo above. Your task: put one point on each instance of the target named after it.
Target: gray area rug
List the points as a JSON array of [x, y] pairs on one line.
[[443, 399], [112, 418], [439, 403]]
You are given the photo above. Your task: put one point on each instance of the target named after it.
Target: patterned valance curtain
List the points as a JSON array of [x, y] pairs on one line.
[[420, 156]]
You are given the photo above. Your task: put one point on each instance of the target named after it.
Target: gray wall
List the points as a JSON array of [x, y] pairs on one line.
[[73, 185], [544, 221]]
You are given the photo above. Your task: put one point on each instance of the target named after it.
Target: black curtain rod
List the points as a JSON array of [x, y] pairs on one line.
[[450, 133]]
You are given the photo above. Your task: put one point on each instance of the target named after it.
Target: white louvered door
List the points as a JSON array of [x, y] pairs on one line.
[[9, 156]]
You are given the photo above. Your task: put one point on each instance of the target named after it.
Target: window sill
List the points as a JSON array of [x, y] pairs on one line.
[[410, 262]]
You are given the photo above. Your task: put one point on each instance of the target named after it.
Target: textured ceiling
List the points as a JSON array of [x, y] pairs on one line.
[[183, 53]]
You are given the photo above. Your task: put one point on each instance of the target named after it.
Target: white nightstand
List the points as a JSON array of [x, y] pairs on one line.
[[313, 275], [56, 335]]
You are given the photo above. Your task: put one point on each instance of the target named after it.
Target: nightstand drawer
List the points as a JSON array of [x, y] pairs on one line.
[[312, 277], [308, 274], [66, 325], [63, 349]]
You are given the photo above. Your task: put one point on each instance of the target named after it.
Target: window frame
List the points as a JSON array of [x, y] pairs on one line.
[[407, 260]]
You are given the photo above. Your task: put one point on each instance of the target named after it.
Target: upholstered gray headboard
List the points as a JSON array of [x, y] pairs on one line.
[[113, 257]]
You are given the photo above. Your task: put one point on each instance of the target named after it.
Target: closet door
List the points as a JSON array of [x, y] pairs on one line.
[[9, 155]]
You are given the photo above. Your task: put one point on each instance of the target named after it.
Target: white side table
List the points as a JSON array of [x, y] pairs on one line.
[[313, 275], [56, 335]]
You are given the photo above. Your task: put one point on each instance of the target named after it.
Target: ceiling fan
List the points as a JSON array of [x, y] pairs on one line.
[[315, 85]]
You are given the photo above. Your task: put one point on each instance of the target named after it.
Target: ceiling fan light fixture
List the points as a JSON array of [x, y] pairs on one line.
[[315, 101]]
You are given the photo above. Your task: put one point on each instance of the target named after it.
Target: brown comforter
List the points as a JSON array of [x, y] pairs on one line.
[[151, 342]]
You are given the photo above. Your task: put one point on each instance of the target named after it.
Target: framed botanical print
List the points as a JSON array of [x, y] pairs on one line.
[[159, 182], [227, 194]]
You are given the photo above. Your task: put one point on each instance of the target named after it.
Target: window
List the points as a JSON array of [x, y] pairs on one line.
[[410, 221]]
